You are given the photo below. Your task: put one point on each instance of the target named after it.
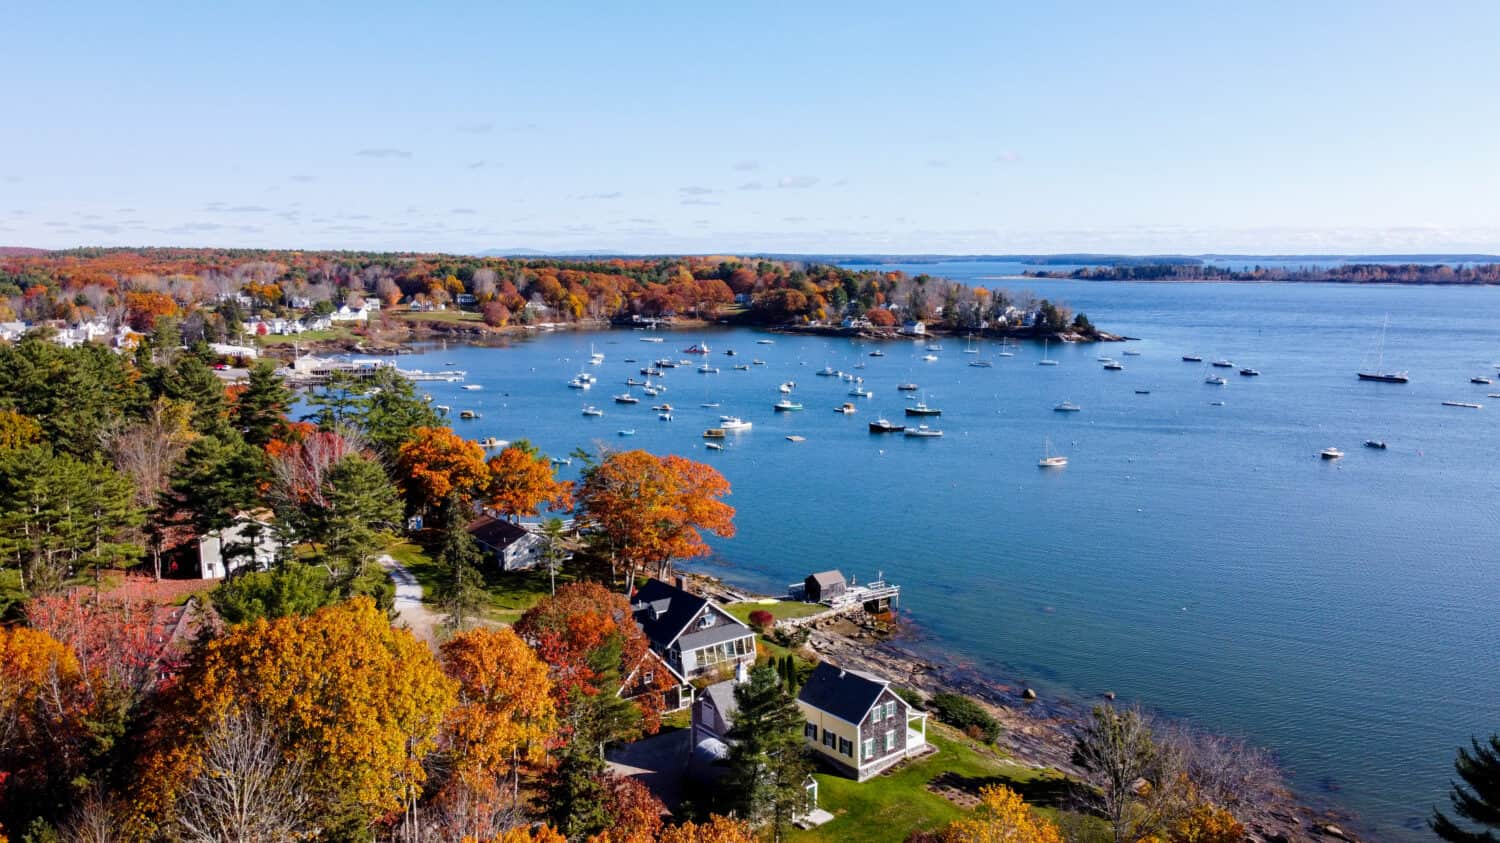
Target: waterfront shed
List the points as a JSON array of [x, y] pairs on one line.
[[828, 585]]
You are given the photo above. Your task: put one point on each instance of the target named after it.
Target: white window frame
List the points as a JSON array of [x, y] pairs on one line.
[[867, 749], [890, 739]]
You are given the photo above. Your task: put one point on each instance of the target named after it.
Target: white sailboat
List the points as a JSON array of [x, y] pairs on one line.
[[1049, 459], [1380, 374], [1046, 361]]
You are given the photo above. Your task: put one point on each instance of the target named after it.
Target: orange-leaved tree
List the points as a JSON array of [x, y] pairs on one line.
[[1002, 817], [505, 713], [44, 719], [436, 462], [591, 642], [716, 830], [634, 811], [522, 482], [357, 704], [649, 510]]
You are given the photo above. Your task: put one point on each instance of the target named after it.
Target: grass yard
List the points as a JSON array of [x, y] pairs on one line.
[[439, 316], [334, 333], [781, 610], [509, 594], [891, 806]]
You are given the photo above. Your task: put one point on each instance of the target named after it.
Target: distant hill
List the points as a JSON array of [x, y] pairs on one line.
[[14, 251], [538, 253]]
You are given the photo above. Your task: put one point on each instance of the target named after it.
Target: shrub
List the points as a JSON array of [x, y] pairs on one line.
[[913, 698], [761, 619], [961, 712]]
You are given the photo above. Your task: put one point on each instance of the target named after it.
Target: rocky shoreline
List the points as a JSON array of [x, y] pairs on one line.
[[1035, 731]]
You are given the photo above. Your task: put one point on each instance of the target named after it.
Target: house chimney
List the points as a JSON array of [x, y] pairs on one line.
[[681, 582]]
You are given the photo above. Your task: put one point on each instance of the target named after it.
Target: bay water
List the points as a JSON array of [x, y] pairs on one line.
[[1195, 556]]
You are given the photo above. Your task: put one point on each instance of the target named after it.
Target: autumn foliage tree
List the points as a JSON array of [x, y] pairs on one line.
[[505, 712], [1002, 817], [650, 510], [521, 482], [358, 703], [570, 627], [434, 463], [43, 723], [716, 830]]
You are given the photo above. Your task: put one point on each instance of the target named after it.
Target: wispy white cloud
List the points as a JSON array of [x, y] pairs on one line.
[[751, 185], [696, 201], [746, 165], [695, 190], [796, 182], [383, 152]]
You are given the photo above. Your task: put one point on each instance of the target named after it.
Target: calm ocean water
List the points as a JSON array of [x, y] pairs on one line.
[[1201, 559]]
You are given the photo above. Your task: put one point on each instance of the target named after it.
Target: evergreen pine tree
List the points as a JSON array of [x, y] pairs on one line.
[[360, 501], [190, 379], [768, 766], [260, 411], [575, 788], [462, 591], [1477, 798]]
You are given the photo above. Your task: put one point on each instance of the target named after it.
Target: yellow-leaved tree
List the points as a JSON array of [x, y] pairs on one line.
[[353, 704], [1002, 817]]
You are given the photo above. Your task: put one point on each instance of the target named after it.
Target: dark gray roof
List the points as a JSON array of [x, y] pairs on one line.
[[664, 611], [721, 694], [717, 634], [846, 694], [827, 578], [495, 532]]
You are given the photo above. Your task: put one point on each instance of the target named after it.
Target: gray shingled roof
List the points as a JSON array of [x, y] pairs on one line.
[[846, 694], [716, 634], [825, 579], [722, 696]]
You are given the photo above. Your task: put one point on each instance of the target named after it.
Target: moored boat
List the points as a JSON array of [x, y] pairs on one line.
[[1067, 407], [1377, 444], [922, 431], [786, 405], [885, 426], [1331, 454], [921, 409]]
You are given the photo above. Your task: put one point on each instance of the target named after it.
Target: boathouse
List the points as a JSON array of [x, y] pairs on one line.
[[825, 586]]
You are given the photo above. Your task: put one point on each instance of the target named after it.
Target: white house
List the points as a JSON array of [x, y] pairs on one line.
[[224, 349], [914, 328], [513, 547], [249, 543], [348, 314]]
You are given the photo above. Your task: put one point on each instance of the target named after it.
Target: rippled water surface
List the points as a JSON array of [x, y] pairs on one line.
[[1199, 558]]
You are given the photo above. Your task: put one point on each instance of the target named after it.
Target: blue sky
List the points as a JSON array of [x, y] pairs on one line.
[[696, 127]]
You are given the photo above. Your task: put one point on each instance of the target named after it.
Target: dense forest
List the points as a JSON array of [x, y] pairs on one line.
[[1353, 273], [136, 286]]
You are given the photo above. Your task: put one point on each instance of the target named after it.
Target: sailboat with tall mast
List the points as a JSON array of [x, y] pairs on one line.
[[1046, 361], [1380, 374]]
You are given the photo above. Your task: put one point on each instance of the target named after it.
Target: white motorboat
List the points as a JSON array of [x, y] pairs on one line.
[[626, 398], [472, 387], [1067, 407], [922, 431], [591, 410], [734, 423], [787, 405], [1215, 380], [1331, 454]]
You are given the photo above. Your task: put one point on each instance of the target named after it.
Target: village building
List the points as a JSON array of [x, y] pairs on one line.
[[513, 547], [828, 585], [692, 634], [249, 543], [856, 724]]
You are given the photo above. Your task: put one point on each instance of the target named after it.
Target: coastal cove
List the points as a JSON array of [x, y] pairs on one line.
[[1198, 558]]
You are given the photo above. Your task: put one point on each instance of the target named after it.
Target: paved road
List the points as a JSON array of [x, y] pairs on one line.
[[422, 621]]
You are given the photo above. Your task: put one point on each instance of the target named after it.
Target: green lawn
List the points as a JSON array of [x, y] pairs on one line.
[[510, 594], [440, 316], [781, 610], [891, 806], [334, 333]]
